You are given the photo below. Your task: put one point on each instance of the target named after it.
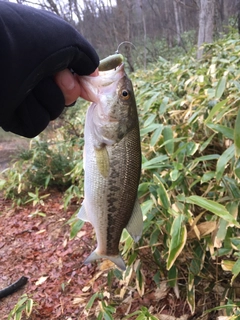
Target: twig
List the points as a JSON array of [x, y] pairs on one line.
[[13, 287]]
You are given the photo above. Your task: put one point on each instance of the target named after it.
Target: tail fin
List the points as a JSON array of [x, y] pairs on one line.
[[117, 260]]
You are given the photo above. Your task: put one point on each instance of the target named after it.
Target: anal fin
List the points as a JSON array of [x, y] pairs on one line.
[[135, 224], [82, 215]]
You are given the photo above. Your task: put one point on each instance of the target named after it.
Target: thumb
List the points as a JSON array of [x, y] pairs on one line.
[[69, 86]]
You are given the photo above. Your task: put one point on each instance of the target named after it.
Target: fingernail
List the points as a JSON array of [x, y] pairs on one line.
[[68, 81]]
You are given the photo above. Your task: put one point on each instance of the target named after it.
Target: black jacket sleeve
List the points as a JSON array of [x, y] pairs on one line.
[[34, 45]]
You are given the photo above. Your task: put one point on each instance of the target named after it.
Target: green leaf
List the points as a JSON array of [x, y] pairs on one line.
[[227, 155], [226, 131], [213, 207], [207, 158], [197, 260], [235, 270], [204, 145], [150, 128], [154, 236], [174, 174], [232, 186], [191, 148], [107, 315], [237, 135], [2, 183], [143, 188], [208, 176], [75, 228], [168, 137], [163, 106], [156, 135], [146, 206], [18, 315], [148, 102], [91, 300], [178, 240], [221, 87], [215, 110], [237, 168], [29, 306], [163, 196], [155, 162], [191, 293], [149, 120], [172, 276]]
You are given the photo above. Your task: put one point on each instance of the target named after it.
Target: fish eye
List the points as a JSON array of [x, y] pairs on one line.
[[125, 94]]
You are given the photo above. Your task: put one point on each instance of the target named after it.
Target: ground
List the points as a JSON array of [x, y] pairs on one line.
[[59, 283], [35, 243]]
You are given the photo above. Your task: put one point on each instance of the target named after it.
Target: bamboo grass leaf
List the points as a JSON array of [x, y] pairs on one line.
[[163, 196], [149, 120], [150, 128], [227, 132], [178, 240], [215, 110], [213, 207], [235, 270], [223, 160], [221, 87], [237, 135], [156, 135], [155, 162], [168, 137]]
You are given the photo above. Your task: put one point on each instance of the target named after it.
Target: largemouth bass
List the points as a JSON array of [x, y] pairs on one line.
[[112, 163]]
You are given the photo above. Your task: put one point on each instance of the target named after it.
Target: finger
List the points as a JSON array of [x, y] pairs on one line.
[[69, 86]]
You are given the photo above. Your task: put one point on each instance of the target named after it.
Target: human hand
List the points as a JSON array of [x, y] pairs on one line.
[[37, 48], [70, 87]]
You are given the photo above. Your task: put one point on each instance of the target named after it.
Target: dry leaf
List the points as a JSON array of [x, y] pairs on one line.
[[41, 280], [204, 228], [86, 288], [41, 231], [106, 265], [161, 292]]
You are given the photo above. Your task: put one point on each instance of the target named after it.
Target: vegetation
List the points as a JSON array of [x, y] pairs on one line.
[[145, 23], [189, 190]]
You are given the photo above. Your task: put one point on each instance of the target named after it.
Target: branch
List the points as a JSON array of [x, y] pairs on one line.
[[13, 287]]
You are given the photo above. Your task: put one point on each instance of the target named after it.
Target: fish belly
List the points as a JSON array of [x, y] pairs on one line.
[[109, 201]]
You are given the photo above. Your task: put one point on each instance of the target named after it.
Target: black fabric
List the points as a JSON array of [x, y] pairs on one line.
[[34, 45]]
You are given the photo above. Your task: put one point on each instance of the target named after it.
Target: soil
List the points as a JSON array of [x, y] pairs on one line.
[[35, 243], [10, 146], [61, 286]]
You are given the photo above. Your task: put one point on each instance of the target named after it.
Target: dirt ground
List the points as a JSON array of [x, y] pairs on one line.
[[35, 243], [10, 145], [60, 285]]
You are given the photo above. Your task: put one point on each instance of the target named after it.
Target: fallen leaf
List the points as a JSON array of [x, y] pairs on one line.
[[41, 280]]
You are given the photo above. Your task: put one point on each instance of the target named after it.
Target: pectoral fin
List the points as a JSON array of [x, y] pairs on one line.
[[82, 215], [102, 160], [135, 224]]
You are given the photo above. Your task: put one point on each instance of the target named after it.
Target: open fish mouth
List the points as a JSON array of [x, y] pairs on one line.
[[102, 84]]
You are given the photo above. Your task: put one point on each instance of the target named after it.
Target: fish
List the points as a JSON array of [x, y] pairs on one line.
[[112, 163]]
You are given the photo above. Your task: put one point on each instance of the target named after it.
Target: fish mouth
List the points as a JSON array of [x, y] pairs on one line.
[[119, 68], [109, 77], [102, 84]]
